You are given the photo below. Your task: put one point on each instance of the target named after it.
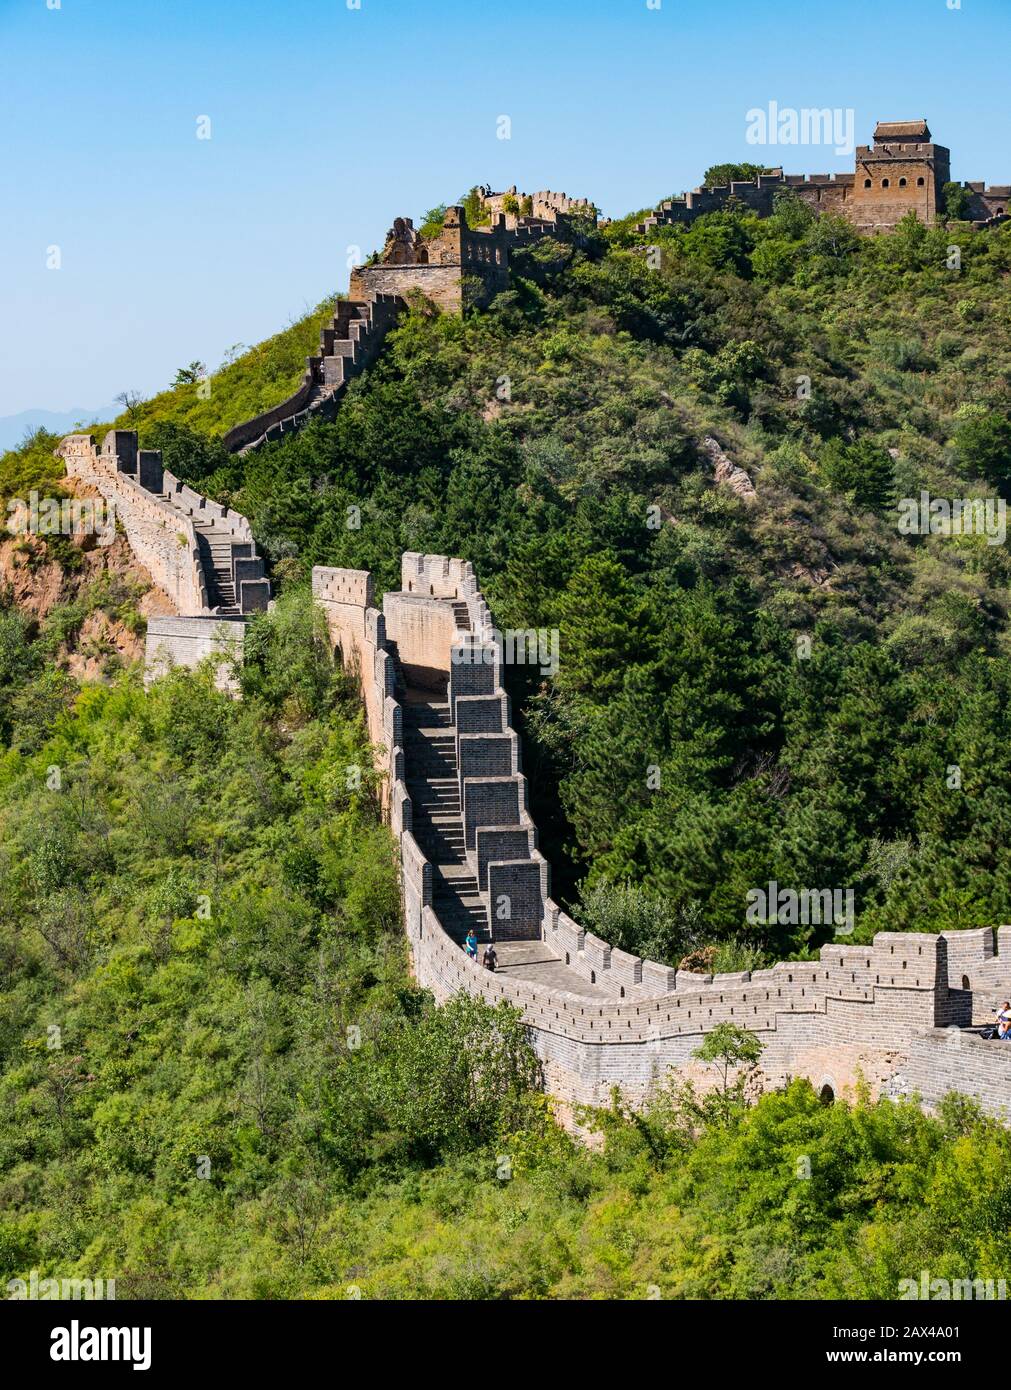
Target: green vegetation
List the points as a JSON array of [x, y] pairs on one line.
[[245, 1095], [31, 467], [473, 205], [720, 175], [775, 691], [957, 201], [218, 1081], [205, 1008]]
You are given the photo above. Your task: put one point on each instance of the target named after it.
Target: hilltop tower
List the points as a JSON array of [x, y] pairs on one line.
[[902, 171]]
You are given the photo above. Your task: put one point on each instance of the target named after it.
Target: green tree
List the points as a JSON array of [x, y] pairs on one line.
[[957, 201], [728, 1046], [719, 175], [432, 222], [188, 376], [984, 446], [863, 471]]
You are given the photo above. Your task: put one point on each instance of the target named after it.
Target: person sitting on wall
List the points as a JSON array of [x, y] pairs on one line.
[[490, 958], [1004, 1021], [470, 945]]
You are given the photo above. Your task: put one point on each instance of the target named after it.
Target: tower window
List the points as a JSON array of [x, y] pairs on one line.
[[867, 183], [919, 183], [902, 183], [884, 183]]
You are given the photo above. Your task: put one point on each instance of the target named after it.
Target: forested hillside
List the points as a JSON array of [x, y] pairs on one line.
[[797, 677], [216, 1076]]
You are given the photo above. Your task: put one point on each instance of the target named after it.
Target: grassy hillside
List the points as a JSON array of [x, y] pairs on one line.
[[254, 380], [258, 378]]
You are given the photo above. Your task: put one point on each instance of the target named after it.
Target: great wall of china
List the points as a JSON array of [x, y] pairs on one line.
[[901, 171], [201, 554], [894, 1014]]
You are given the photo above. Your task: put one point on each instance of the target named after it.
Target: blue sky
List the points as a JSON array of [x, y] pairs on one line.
[[327, 122]]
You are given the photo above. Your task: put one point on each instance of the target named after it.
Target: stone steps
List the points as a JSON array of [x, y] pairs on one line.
[[437, 825]]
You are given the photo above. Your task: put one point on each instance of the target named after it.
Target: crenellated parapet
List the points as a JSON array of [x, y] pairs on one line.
[[430, 664], [462, 265], [902, 171], [350, 343], [201, 554]]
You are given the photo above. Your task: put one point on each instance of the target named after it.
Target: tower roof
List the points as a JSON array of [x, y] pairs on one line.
[[902, 130]]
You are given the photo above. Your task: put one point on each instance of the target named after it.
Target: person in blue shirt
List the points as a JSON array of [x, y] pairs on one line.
[[470, 945]]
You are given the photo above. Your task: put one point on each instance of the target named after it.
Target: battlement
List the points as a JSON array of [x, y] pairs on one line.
[[544, 206], [350, 344], [200, 553], [902, 171], [600, 1016], [462, 265]]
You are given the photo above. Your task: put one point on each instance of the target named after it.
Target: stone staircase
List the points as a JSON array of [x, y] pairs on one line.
[[216, 556], [432, 784], [349, 344]]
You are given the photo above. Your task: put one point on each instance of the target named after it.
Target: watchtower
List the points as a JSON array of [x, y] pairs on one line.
[[903, 171]]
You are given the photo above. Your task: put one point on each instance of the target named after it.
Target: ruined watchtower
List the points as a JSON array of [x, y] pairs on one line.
[[902, 171]]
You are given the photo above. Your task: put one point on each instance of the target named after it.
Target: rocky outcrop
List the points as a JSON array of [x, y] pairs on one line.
[[726, 472]]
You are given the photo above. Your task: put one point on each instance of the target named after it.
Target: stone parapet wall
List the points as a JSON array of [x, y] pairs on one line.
[[462, 266], [942, 1060], [162, 539], [351, 343], [890, 179], [358, 632], [189, 641], [858, 1012], [161, 516]]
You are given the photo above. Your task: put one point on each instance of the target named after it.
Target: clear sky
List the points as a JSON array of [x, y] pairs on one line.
[[327, 122]]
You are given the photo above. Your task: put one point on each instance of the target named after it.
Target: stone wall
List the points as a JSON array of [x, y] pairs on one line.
[[358, 633], [461, 267], [171, 529], [188, 641], [422, 628], [893, 179], [858, 1012], [941, 1060], [163, 541], [902, 171], [348, 345]]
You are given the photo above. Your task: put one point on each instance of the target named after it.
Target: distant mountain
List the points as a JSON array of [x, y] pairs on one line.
[[13, 427]]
